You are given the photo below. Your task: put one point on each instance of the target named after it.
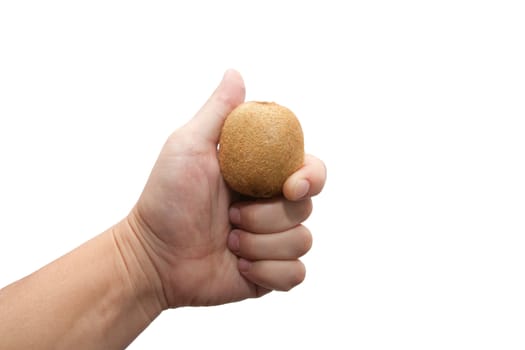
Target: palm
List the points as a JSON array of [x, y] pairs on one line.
[[185, 206]]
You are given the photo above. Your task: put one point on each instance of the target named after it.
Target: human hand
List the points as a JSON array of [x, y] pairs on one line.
[[207, 247]]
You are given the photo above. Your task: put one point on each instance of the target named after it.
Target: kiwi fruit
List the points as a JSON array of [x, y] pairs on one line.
[[260, 146]]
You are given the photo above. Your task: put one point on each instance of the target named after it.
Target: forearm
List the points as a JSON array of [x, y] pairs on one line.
[[99, 296]]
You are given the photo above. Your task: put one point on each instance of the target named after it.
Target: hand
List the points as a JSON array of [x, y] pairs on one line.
[[185, 216]]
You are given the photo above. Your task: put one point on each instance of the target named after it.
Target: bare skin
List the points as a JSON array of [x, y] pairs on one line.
[[187, 242]]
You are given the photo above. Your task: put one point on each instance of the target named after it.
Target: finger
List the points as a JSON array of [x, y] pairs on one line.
[[280, 275], [270, 216], [260, 291], [307, 181], [287, 245], [228, 95]]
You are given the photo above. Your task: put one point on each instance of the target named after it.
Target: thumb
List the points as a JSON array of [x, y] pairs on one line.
[[210, 118]]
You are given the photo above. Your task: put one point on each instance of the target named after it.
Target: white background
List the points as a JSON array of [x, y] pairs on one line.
[[417, 108]]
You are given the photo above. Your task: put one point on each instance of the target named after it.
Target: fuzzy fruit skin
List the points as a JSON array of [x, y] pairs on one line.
[[260, 146]]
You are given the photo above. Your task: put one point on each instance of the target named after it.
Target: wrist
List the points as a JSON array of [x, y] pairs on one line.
[[137, 267]]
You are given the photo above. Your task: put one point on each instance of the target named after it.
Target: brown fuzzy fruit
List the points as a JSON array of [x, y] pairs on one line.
[[261, 145]]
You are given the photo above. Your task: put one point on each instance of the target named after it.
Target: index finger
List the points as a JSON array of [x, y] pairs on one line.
[[308, 181]]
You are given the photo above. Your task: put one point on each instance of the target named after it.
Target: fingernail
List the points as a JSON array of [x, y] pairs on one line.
[[226, 73], [301, 188], [244, 265], [233, 241], [235, 215]]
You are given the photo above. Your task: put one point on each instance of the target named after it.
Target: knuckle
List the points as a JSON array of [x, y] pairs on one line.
[[305, 240], [322, 180], [298, 276], [325, 169], [307, 208]]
